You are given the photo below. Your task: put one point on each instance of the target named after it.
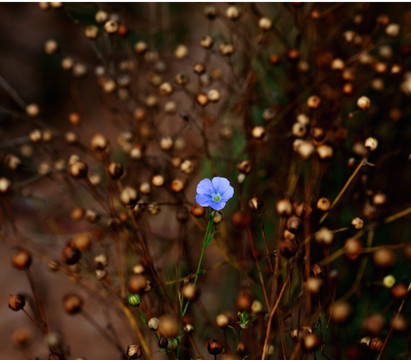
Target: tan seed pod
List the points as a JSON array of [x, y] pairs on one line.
[[323, 204], [222, 320], [363, 102], [371, 144], [32, 110], [181, 52], [111, 27], [78, 170], [340, 312], [91, 32], [353, 248], [314, 102], [265, 24], [357, 223], [168, 326], [51, 47]]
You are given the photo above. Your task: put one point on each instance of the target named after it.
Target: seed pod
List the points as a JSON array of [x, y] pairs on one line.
[[111, 27], [51, 47], [325, 152], [353, 248], [91, 32], [214, 347], [140, 47], [210, 12], [82, 241], [100, 261], [99, 143], [323, 204], [206, 42], [258, 132], [187, 167], [202, 99], [162, 342], [340, 312], [371, 144], [324, 236], [313, 285], [137, 284], [177, 185], [134, 299], [265, 24], [21, 260], [181, 79], [294, 224], [363, 103], [222, 320], [134, 352], [314, 102], [189, 291], [357, 223], [255, 203], [158, 180], [244, 302], [128, 196], [399, 323], [284, 207], [166, 89], [73, 304], [181, 52], [384, 258], [233, 13], [197, 210], [305, 149], [70, 255], [374, 324], [399, 291], [153, 323], [16, 302], [311, 342], [168, 326], [78, 170], [21, 337]]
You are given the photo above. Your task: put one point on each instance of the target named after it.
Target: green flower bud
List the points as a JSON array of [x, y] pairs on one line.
[[134, 299]]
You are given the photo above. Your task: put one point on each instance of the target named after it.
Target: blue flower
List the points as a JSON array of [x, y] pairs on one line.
[[214, 193]]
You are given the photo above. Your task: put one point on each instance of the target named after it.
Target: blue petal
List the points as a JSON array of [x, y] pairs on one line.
[[204, 200], [218, 205], [228, 194], [220, 184], [205, 187]]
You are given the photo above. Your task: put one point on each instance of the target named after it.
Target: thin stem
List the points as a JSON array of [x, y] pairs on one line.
[[270, 319], [237, 340], [37, 300], [351, 178]]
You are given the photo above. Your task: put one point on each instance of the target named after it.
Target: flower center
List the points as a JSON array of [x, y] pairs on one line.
[[216, 197]]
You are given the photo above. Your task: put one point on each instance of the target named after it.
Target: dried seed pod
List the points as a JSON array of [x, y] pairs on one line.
[[371, 144], [288, 248], [115, 170], [158, 180], [187, 167], [91, 32], [357, 223], [244, 302], [153, 323], [73, 304], [323, 204], [324, 236], [181, 52], [51, 47], [363, 102], [222, 320], [16, 302], [137, 284], [314, 285], [111, 27], [325, 152], [337, 64], [99, 143], [265, 24], [32, 110], [314, 102], [140, 47], [78, 170], [21, 337], [215, 347], [298, 129], [166, 89], [233, 13], [392, 30], [202, 99], [226, 49], [311, 342], [100, 261], [258, 132], [128, 196], [178, 185], [21, 260], [70, 255], [189, 291], [197, 210], [255, 203], [206, 42], [284, 207], [5, 185], [134, 352], [305, 149], [294, 224], [399, 323], [213, 95], [181, 79]]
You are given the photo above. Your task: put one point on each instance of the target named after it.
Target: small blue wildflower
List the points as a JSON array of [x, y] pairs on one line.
[[214, 193]]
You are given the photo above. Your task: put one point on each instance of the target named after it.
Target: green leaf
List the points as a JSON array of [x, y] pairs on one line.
[[210, 238]]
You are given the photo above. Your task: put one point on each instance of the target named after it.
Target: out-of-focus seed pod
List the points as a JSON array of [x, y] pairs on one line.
[[353, 248], [363, 102], [244, 302], [178, 185], [215, 347], [288, 248], [197, 210], [137, 284], [222, 320], [158, 180], [325, 152], [99, 143], [16, 302], [399, 291], [78, 170], [305, 149], [181, 52], [374, 324], [340, 311], [258, 132], [399, 323], [187, 167], [115, 170], [314, 285], [392, 30], [379, 199], [21, 337], [206, 42], [314, 102], [140, 47], [153, 323], [82, 241], [111, 27], [70, 255], [294, 224], [323, 204], [233, 12], [21, 260], [384, 258], [324, 236], [265, 24], [284, 207], [128, 196], [244, 167], [311, 342], [255, 203], [202, 99], [73, 304], [189, 291], [168, 326]]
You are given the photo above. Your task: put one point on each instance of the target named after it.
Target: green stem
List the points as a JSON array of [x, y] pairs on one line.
[[238, 340]]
